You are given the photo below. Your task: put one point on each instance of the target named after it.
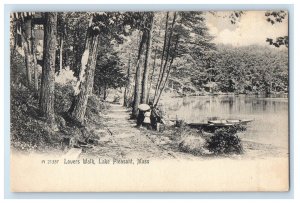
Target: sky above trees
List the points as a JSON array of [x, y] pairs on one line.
[[251, 28]]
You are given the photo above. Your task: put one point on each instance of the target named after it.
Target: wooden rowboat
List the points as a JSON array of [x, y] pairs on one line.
[[220, 123]]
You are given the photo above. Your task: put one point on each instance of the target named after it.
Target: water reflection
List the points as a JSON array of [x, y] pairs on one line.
[[270, 115]]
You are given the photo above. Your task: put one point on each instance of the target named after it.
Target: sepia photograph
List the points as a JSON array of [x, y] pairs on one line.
[[149, 101]]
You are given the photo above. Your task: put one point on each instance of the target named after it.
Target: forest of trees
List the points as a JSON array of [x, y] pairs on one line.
[[249, 69], [141, 52]]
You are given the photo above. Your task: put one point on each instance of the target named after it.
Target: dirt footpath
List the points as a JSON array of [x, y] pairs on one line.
[[121, 139]]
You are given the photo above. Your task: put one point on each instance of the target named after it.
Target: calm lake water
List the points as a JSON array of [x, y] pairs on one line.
[[270, 115]]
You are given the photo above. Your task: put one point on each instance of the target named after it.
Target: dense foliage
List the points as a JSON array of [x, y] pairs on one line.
[[250, 69], [109, 73]]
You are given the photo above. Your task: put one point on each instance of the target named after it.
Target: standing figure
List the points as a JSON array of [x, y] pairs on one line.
[[147, 122], [154, 117], [140, 118]]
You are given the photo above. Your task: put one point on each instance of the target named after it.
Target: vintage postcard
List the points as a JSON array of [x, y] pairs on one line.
[[171, 101]]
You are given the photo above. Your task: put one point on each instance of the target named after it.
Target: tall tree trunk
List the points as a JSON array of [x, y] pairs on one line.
[[162, 56], [66, 58], [138, 78], [15, 30], [151, 77], [66, 52], [33, 49], [168, 72], [127, 88], [26, 41], [86, 77], [48, 72], [105, 93], [167, 56], [147, 60], [61, 53], [61, 33], [76, 52]]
